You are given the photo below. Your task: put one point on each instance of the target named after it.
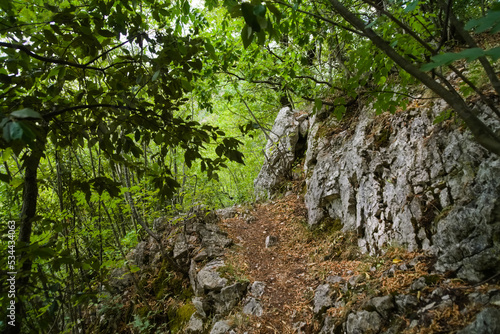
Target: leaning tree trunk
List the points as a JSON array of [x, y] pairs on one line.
[[484, 135]]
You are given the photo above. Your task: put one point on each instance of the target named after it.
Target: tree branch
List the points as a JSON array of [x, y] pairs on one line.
[[490, 72], [49, 116], [106, 52], [30, 53], [316, 81], [483, 134], [253, 81], [322, 18]]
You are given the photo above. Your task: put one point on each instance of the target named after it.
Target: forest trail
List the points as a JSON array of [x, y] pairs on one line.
[[291, 269]]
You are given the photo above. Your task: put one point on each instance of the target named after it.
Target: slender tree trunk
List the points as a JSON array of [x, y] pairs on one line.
[[28, 213]]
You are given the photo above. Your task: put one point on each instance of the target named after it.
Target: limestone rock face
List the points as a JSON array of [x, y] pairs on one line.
[[280, 152], [403, 179], [398, 179]]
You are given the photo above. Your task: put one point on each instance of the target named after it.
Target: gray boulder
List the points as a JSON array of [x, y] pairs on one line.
[[280, 151], [405, 302], [328, 326], [253, 307], [208, 277], [121, 278], [271, 241], [228, 297], [487, 322], [220, 327], [227, 212], [257, 289], [195, 325], [363, 322], [322, 299], [382, 305]]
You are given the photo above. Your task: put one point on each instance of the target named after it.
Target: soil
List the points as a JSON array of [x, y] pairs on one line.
[[287, 269]]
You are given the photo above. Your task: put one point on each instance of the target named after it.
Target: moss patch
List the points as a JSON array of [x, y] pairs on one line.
[[179, 316]]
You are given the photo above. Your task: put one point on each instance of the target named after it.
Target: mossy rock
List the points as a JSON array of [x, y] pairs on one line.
[[167, 283], [329, 226], [142, 312], [179, 316]]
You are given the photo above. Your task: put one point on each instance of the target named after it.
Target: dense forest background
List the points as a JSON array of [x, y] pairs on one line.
[[115, 113]]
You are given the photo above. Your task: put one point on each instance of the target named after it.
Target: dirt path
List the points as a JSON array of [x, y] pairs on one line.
[[301, 260], [284, 268]]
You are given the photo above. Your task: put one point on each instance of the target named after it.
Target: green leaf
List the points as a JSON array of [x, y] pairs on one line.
[[219, 150], [471, 54], [235, 155], [16, 131], [382, 80], [26, 113], [49, 35], [317, 104], [276, 12], [411, 6], [259, 10], [103, 183], [246, 35], [491, 21], [339, 112], [249, 16], [235, 11], [4, 121], [493, 53], [211, 50], [261, 37], [262, 23], [186, 85], [134, 268], [371, 24], [105, 33], [448, 58], [28, 134], [155, 75], [5, 178]]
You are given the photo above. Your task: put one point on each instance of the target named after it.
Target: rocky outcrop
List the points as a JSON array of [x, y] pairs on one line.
[[285, 142], [416, 305], [199, 246], [401, 179], [196, 244]]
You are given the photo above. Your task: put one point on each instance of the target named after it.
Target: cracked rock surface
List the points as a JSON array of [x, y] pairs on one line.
[[399, 179]]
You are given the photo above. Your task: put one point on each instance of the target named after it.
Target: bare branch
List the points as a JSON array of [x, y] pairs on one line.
[[106, 52]]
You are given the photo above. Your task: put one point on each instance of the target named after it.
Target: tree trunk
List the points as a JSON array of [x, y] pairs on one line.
[[28, 213]]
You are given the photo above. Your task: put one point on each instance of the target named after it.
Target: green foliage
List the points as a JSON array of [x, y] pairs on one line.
[[96, 88], [468, 54], [490, 22], [143, 109], [142, 325]]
